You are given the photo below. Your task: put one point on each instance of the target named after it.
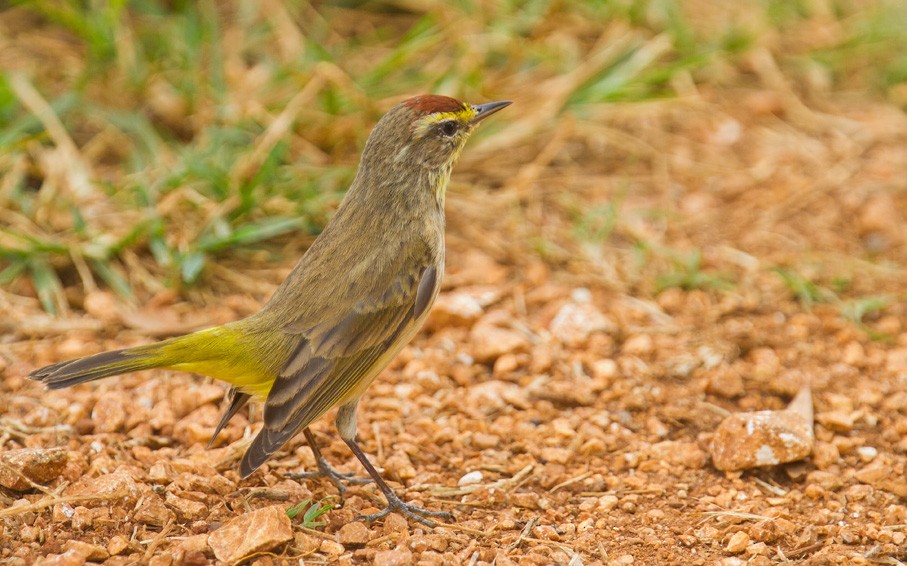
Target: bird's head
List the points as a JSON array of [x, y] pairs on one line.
[[427, 131]]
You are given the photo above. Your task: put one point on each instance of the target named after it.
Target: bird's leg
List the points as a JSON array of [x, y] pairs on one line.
[[326, 470], [346, 425]]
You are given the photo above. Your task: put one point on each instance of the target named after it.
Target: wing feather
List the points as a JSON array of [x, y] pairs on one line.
[[335, 356]]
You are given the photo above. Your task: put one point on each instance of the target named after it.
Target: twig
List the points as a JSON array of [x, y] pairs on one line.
[[156, 541], [573, 480], [524, 533], [51, 501], [507, 484]]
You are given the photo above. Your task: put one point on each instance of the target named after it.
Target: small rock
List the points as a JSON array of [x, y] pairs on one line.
[[396, 524], [854, 354], [607, 503], [258, 531], [526, 500], [825, 454], [152, 511], [867, 453], [399, 466], [353, 535], [881, 474], [575, 322], [505, 365], [160, 473], [476, 268], [471, 478], [687, 454], [400, 556], [198, 426], [556, 454], [605, 370], [638, 345], [725, 382], [89, 551], [103, 306], [195, 543], [896, 360], [109, 487], [109, 412], [836, 421], [454, 309], [39, 465], [765, 438], [331, 548], [566, 393], [68, 558], [490, 342], [186, 509], [62, 513], [482, 440], [546, 532], [738, 543], [494, 395], [82, 518]]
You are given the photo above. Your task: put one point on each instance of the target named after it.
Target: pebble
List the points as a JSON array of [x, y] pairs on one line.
[[109, 412], [725, 382], [39, 465], [494, 395], [738, 542], [152, 511], [576, 321], [186, 509], [825, 454], [881, 474], [116, 545], [638, 345], [837, 421], [867, 453], [68, 558], [896, 360], [331, 548], [117, 485], [471, 478], [259, 531], [195, 543], [454, 309], [490, 342], [353, 535], [483, 440], [687, 454], [765, 438], [89, 551], [400, 556]]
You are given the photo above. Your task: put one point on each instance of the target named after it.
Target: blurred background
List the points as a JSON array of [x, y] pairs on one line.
[[692, 209], [173, 148]]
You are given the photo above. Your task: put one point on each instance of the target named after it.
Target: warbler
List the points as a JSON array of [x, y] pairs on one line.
[[357, 296]]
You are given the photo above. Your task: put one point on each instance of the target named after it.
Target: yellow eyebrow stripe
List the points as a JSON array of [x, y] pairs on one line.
[[462, 116]]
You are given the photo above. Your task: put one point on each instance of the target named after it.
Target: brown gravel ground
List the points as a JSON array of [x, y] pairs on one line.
[[554, 366]]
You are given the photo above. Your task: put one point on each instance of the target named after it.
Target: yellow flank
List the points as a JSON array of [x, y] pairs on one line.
[[226, 354]]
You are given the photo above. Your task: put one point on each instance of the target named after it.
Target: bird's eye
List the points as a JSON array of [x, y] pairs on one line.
[[448, 128]]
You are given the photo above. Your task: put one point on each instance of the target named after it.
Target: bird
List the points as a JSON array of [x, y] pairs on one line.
[[359, 294]]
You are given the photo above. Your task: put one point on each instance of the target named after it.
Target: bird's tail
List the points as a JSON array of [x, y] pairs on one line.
[[105, 364], [248, 361]]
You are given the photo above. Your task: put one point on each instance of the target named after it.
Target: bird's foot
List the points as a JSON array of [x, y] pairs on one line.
[[395, 504], [336, 477]]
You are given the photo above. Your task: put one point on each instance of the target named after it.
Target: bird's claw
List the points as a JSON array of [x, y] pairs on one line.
[[414, 512], [336, 477]]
